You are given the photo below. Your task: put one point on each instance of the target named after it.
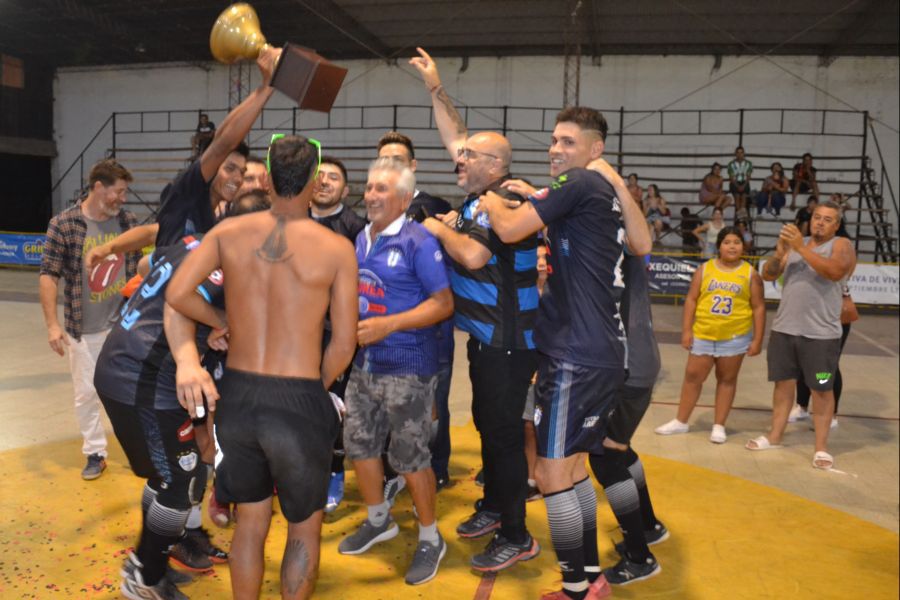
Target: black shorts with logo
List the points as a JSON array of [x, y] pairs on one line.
[[274, 431], [796, 357], [159, 444]]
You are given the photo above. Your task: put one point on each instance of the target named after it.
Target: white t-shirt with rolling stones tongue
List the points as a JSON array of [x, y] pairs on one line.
[[103, 283]]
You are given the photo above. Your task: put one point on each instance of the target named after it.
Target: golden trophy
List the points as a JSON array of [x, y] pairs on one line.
[[301, 74]]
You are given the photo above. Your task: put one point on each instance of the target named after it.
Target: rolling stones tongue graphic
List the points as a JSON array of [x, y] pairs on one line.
[[106, 272]]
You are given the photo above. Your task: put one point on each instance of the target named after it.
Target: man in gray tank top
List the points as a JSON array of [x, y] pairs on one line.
[[806, 335]]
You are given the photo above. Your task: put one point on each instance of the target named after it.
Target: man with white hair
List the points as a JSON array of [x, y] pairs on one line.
[[403, 293]]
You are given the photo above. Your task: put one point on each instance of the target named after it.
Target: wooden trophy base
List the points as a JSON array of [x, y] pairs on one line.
[[308, 78]]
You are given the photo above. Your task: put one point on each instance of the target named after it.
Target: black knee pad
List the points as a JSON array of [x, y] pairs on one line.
[[179, 493], [607, 467]]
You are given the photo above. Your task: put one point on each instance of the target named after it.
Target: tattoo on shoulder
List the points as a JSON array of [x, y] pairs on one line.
[[295, 566], [451, 111], [274, 248]]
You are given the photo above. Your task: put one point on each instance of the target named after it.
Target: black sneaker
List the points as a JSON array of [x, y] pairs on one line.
[[479, 478], [626, 572], [500, 553], [480, 523], [134, 588], [658, 534], [201, 539], [187, 555]]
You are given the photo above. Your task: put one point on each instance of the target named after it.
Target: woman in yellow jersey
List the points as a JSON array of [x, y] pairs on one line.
[[724, 319]]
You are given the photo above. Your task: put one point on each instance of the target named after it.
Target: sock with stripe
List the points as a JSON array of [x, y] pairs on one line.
[[566, 532], [587, 499], [163, 527], [636, 469]]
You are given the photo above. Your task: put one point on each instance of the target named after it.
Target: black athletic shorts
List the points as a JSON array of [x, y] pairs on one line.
[[572, 406], [631, 404], [813, 361], [274, 431], [159, 444]]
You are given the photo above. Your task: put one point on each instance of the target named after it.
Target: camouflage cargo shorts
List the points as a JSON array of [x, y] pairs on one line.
[[397, 404]]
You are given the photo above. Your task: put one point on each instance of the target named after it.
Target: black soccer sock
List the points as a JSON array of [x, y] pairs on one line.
[[566, 530], [337, 458], [622, 494], [587, 499], [163, 527], [636, 469]]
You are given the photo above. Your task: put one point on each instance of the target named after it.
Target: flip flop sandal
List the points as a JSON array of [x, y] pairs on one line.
[[824, 457], [762, 443]]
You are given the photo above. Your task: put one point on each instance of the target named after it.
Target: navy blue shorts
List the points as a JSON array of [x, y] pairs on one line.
[[572, 406]]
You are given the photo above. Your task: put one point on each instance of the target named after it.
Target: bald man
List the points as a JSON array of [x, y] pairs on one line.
[[496, 299]]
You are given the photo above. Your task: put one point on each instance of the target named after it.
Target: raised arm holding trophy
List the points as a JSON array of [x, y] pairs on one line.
[[301, 74]]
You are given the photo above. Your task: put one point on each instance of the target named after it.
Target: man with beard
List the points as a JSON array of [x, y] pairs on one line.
[[91, 297], [327, 205]]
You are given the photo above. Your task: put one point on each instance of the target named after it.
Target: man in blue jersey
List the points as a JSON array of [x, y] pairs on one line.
[[135, 379], [403, 294], [579, 333], [495, 294]]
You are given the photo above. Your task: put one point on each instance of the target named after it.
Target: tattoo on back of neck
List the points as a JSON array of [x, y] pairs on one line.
[[274, 248]]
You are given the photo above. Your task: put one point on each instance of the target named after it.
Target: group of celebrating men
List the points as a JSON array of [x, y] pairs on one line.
[[254, 273]]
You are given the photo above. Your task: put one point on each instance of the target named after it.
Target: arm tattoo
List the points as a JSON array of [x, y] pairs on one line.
[[275, 247], [452, 112], [295, 566], [773, 267]]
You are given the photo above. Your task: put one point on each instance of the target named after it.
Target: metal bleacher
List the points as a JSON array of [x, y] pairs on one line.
[[673, 149]]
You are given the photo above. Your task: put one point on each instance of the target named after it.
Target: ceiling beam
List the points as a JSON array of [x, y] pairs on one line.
[[344, 23], [844, 38]]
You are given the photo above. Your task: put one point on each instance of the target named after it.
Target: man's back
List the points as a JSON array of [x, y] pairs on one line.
[[280, 275]]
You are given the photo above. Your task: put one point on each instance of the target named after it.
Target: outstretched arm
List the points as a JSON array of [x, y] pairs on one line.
[[449, 123], [236, 125], [132, 240]]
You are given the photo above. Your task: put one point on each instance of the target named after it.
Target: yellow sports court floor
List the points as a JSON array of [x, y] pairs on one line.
[[743, 524]]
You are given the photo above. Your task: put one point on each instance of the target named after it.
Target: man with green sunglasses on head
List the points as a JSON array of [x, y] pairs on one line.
[[276, 424]]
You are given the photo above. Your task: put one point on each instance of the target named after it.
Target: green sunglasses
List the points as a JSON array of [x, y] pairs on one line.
[[314, 142]]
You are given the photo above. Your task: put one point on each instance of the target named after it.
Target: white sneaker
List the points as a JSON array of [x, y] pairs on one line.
[[672, 427], [798, 413], [718, 435]]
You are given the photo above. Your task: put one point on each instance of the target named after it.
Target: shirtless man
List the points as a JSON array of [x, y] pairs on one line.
[[278, 424]]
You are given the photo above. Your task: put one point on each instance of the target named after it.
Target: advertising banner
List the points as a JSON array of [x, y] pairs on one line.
[[21, 248], [671, 275]]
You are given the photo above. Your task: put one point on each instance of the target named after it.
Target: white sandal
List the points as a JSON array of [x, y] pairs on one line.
[[762, 443], [824, 457]]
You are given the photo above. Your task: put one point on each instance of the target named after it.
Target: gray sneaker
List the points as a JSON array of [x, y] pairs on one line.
[[425, 561], [134, 588], [478, 524], [367, 536], [94, 467], [132, 564]]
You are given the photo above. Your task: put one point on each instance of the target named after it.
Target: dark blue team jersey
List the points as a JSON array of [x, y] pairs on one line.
[[135, 365], [578, 320], [401, 270]]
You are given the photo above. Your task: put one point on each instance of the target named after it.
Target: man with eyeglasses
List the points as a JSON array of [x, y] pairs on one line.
[[495, 294], [276, 424]]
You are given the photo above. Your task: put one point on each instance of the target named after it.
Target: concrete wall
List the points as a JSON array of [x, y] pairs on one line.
[[85, 98]]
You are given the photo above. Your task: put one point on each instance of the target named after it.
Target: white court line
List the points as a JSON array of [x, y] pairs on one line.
[[890, 352]]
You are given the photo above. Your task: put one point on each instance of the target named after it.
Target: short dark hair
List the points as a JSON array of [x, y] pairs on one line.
[[812, 199], [108, 172], [247, 202], [243, 149], [714, 165], [727, 230], [330, 160], [395, 137], [585, 118], [805, 154], [741, 148], [630, 175], [292, 160]]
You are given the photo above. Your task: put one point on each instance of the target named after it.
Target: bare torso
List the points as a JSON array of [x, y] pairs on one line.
[[279, 275]]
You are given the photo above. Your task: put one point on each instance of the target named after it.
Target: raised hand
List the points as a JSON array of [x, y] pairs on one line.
[[427, 68]]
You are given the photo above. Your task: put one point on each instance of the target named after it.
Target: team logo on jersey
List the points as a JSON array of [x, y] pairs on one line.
[[438, 257], [590, 422], [188, 461], [538, 413], [190, 242], [393, 258], [483, 220], [217, 277], [371, 289]]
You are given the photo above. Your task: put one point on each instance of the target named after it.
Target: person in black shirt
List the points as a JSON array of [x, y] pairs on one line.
[[327, 205], [690, 244], [399, 147], [804, 215]]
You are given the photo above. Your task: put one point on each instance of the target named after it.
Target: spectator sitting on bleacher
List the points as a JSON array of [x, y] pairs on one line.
[[739, 171], [690, 243], [206, 129], [804, 180], [771, 197], [743, 226], [658, 215], [637, 192], [711, 228], [711, 193], [804, 215]]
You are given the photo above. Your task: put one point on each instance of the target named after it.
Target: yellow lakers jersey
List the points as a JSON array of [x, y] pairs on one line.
[[723, 307]]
